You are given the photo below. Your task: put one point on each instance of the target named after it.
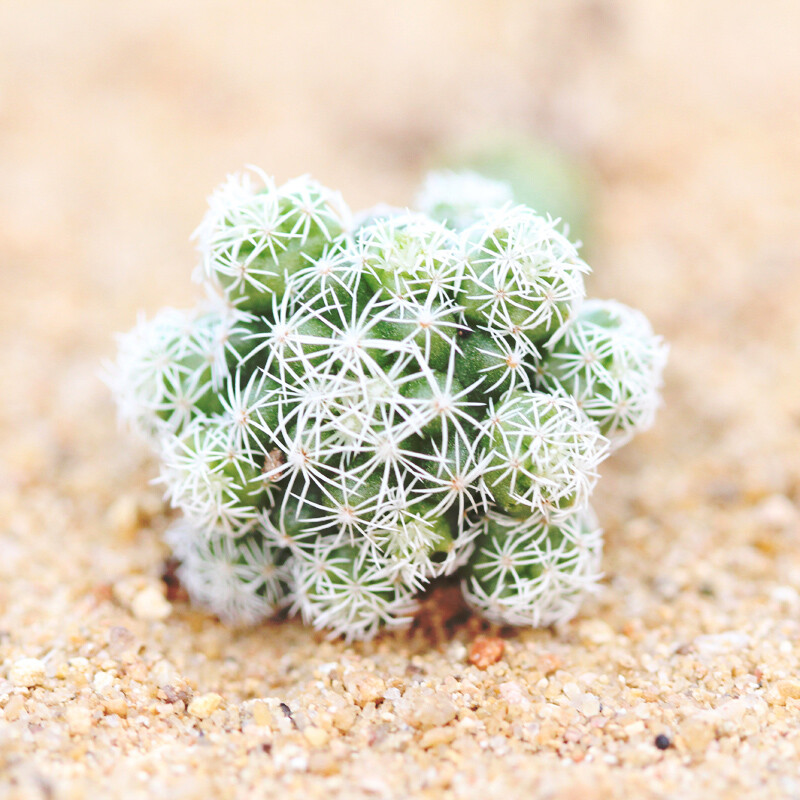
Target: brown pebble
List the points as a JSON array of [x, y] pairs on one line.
[[102, 592], [485, 651], [174, 591]]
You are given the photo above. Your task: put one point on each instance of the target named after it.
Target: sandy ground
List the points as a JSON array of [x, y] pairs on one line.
[[116, 120]]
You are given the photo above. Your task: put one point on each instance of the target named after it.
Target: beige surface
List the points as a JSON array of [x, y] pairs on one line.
[[116, 119]]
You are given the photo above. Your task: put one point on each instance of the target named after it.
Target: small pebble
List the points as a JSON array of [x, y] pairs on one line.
[[777, 512], [79, 720], [596, 631], [204, 705], [261, 713], [27, 672], [13, 708], [436, 736], [344, 718], [698, 732], [150, 605], [485, 651], [788, 689], [426, 710], [103, 681], [322, 762], [365, 687], [116, 705], [123, 516], [662, 741], [316, 737]]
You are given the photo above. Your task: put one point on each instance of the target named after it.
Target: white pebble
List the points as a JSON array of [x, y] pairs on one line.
[[27, 672], [716, 644], [150, 605], [103, 681]]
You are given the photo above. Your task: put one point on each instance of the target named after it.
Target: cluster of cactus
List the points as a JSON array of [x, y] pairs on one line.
[[365, 403]]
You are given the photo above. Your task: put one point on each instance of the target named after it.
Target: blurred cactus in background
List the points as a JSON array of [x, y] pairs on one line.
[[533, 172], [363, 405]]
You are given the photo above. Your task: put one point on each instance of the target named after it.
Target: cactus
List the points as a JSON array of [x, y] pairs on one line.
[[359, 409]]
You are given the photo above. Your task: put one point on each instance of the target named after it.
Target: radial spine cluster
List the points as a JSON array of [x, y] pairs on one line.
[[364, 404]]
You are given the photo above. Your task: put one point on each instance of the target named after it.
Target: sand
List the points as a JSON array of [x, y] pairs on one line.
[[116, 119]]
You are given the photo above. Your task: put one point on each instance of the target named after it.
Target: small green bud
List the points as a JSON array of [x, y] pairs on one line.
[[408, 257], [543, 454], [252, 240], [242, 579], [611, 361], [341, 588], [531, 573], [521, 275]]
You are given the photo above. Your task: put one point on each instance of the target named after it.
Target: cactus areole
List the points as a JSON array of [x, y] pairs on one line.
[[363, 404]]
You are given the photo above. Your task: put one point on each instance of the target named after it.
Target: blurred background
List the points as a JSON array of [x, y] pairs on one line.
[[681, 122], [117, 119], [681, 119]]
